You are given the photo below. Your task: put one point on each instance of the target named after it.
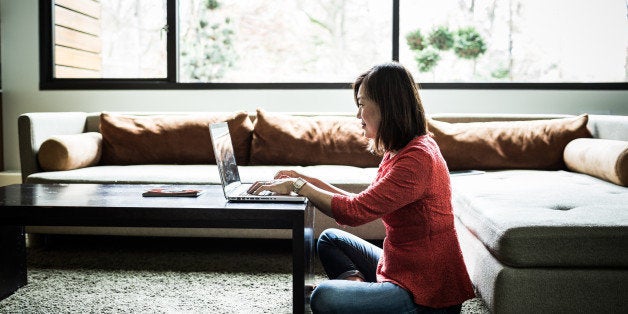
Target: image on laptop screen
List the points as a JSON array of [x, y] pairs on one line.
[[225, 158]]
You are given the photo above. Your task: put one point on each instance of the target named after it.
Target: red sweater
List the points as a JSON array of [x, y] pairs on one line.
[[412, 195]]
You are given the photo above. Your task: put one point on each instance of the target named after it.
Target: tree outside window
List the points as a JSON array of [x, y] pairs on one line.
[[515, 40]]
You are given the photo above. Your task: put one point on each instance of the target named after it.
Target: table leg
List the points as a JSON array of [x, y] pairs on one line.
[[302, 254], [13, 261]]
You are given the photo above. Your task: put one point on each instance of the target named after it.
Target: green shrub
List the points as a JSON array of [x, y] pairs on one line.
[[441, 38], [427, 59], [468, 43], [415, 40], [500, 73]]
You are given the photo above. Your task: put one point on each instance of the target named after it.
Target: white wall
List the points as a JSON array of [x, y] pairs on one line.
[[20, 85]]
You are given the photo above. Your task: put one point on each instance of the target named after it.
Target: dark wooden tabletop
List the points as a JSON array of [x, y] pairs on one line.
[[124, 205]]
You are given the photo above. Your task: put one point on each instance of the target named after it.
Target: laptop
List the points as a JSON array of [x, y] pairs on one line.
[[233, 189]]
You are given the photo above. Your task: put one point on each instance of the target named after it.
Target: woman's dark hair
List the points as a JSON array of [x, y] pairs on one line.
[[392, 87]]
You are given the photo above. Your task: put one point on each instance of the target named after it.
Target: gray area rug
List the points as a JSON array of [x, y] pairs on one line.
[[81, 274]]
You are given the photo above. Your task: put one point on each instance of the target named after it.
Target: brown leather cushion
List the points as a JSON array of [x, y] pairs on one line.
[[72, 151], [293, 140], [170, 139], [536, 144], [601, 158]]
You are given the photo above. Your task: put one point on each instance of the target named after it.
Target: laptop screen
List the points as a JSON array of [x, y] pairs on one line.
[[223, 150]]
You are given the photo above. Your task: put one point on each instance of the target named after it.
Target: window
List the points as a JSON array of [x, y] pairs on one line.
[[109, 39], [131, 44], [290, 41], [525, 41], [133, 36]]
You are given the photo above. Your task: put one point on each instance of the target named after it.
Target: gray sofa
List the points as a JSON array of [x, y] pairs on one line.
[[534, 240]]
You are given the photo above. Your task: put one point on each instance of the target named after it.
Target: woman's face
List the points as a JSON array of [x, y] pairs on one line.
[[368, 112]]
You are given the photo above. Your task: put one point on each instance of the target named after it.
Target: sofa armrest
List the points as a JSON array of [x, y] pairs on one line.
[[35, 128], [610, 127]]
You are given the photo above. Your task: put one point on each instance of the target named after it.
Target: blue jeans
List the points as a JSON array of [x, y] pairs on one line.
[[342, 255]]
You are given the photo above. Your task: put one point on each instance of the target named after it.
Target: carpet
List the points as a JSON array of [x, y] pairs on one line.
[[79, 274]]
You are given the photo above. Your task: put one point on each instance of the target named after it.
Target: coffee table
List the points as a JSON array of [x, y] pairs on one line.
[[122, 205]]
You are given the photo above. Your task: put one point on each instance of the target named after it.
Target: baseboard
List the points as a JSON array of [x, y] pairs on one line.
[[10, 177]]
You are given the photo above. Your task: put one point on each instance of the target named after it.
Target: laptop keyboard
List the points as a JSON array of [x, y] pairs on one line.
[[244, 192], [263, 193]]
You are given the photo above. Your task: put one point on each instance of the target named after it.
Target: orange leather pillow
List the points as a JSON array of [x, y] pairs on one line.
[[536, 144], [169, 139], [292, 140]]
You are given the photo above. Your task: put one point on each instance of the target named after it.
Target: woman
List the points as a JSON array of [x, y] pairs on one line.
[[420, 269]]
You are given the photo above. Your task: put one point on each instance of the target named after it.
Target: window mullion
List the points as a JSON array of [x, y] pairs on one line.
[[172, 47], [46, 42], [395, 30]]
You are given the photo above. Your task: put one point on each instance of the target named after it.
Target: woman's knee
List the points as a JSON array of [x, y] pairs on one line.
[[328, 234], [327, 237], [323, 298]]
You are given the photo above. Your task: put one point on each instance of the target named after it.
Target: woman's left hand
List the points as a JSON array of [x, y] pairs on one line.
[[278, 186]]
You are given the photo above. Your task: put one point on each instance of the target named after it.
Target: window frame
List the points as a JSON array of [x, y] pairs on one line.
[[48, 82]]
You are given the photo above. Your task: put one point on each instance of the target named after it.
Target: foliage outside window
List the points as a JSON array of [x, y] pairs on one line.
[[515, 40], [134, 38], [282, 41], [206, 39]]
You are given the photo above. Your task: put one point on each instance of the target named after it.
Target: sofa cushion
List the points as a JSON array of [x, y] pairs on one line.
[[169, 139], [352, 179], [536, 144], [536, 218], [71, 151], [293, 140], [601, 158]]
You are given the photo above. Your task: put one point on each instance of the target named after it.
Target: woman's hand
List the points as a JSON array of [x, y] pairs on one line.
[[284, 182], [277, 186], [284, 174]]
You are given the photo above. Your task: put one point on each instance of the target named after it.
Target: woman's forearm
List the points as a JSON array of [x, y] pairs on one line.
[[326, 186], [283, 174], [320, 197]]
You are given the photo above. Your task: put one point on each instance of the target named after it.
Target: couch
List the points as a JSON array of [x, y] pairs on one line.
[[540, 201]]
